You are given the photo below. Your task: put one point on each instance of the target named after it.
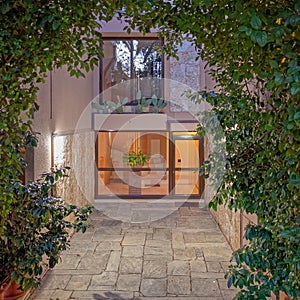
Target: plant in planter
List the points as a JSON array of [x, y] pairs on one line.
[[105, 108], [110, 106], [98, 107], [158, 104], [37, 230], [146, 102], [135, 159], [142, 104], [120, 105]]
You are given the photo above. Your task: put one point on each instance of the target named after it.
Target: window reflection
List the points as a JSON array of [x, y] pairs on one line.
[[116, 177], [131, 59]]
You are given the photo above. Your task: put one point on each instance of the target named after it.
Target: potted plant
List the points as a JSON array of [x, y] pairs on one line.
[[141, 104], [120, 104], [37, 231], [105, 108], [11, 290], [136, 159], [4, 286]]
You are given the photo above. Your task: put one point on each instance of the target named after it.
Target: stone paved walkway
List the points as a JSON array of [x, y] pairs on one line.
[[181, 257]]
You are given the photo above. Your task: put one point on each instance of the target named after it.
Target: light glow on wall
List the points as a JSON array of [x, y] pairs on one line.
[[59, 150]]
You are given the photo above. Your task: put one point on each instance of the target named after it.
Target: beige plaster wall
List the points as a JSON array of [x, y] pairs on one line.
[[71, 96], [42, 123]]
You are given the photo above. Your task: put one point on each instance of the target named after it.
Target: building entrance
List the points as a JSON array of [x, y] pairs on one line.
[[171, 168]]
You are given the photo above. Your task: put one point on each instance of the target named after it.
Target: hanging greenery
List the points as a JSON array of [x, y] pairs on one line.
[[35, 38], [253, 48]]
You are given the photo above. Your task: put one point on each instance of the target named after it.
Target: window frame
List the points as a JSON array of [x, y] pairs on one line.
[[127, 38]]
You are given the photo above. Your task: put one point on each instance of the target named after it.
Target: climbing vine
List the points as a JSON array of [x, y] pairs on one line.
[[253, 48], [35, 38]]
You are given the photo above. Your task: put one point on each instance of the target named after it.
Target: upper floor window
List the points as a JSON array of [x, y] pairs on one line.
[[133, 59]]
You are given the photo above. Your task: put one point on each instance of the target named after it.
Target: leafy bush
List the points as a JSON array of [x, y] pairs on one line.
[[38, 228], [253, 50]]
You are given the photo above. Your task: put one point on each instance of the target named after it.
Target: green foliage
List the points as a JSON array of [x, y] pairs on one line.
[[157, 103], [264, 255], [135, 159], [253, 49], [141, 103], [120, 104], [35, 38], [37, 230], [261, 178]]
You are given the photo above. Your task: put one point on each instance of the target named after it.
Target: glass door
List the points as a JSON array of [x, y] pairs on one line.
[[171, 170], [187, 156], [118, 178]]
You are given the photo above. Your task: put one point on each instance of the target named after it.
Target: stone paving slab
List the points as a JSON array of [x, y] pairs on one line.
[[182, 256], [179, 298]]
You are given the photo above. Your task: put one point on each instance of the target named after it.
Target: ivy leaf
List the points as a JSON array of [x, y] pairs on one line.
[[243, 28], [278, 78], [293, 70], [246, 29], [50, 18], [229, 282], [273, 63], [293, 20], [297, 115], [295, 88], [55, 25], [255, 22], [261, 38], [206, 2], [294, 180], [270, 84], [235, 76]]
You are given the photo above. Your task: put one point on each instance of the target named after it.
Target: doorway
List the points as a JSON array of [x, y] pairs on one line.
[[186, 155], [172, 169]]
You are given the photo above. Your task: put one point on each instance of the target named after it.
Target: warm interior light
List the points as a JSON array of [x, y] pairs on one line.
[[185, 133]]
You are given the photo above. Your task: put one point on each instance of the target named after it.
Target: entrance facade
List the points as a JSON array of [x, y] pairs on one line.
[[140, 110], [172, 168]]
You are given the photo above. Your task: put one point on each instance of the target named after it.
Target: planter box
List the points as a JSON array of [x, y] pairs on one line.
[[129, 122]]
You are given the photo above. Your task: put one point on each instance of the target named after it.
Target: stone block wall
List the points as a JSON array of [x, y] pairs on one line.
[[188, 70], [230, 224], [77, 151], [233, 225]]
